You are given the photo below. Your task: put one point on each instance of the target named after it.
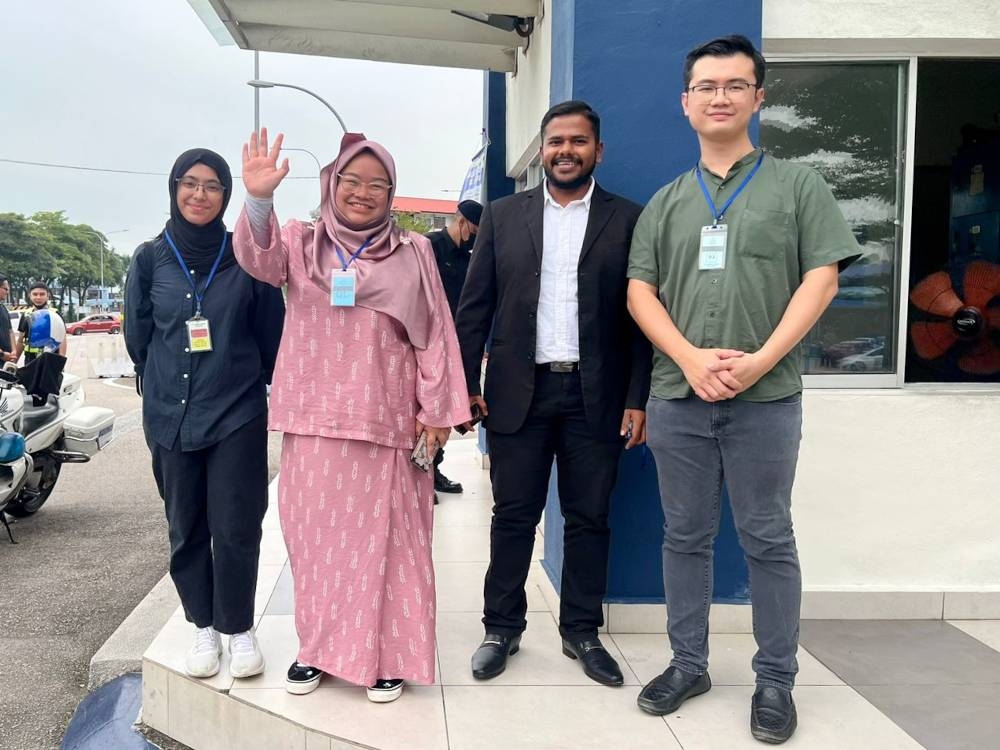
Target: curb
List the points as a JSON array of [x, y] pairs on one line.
[[122, 652]]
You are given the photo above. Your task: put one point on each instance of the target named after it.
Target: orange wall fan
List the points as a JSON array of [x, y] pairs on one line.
[[963, 330]]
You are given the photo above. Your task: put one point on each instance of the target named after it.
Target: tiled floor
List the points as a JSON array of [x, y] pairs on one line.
[[862, 684]]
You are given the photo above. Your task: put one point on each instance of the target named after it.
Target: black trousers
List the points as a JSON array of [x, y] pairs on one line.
[[520, 467], [215, 499]]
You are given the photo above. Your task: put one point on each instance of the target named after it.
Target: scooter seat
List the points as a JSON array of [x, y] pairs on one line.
[[35, 417]]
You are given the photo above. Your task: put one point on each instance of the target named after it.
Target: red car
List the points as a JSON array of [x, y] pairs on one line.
[[100, 323]]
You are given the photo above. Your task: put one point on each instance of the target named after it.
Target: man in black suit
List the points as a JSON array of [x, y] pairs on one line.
[[567, 378]]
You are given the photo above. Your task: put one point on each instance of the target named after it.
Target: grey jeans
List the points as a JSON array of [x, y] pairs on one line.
[[753, 447]]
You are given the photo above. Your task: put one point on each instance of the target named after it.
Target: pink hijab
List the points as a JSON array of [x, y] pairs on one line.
[[392, 278]]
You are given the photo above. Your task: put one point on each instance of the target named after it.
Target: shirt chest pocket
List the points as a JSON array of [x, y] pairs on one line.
[[766, 234]]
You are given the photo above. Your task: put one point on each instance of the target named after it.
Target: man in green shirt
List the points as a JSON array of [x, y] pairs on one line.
[[731, 264]]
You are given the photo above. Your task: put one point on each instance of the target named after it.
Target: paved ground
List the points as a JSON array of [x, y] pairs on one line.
[[82, 563]]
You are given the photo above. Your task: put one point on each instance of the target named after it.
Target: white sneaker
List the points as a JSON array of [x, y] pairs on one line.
[[245, 658], [385, 691], [203, 658]]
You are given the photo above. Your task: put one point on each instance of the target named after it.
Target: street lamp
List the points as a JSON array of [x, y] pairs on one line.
[[319, 167], [103, 238], [258, 84]]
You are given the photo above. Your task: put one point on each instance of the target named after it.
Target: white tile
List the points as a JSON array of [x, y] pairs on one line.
[[461, 544], [987, 631], [171, 645], [264, 730], [537, 718], [972, 605], [461, 510], [652, 618], [415, 721], [267, 578], [872, 605], [155, 695], [830, 718], [730, 656], [272, 548], [539, 662], [201, 718], [316, 741], [460, 587]]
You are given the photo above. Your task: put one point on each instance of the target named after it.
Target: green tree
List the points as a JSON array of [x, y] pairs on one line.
[[27, 253], [413, 222]]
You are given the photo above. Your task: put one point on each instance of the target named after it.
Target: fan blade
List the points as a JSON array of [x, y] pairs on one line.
[[981, 283], [935, 295], [931, 340], [993, 318], [984, 359]]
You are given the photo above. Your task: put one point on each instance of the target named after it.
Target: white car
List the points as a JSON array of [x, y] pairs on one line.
[[870, 360]]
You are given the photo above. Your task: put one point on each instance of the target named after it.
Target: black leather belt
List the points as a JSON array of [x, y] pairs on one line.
[[560, 366]]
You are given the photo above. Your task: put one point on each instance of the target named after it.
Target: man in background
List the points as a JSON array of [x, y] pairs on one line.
[[7, 340], [41, 329], [452, 250]]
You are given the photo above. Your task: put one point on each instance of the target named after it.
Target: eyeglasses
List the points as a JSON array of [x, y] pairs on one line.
[[211, 188], [732, 90], [353, 184]]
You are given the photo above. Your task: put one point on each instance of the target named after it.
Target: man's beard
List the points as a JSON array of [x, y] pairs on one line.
[[576, 182]]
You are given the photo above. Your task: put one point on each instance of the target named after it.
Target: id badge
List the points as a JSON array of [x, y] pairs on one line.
[[199, 334], [343, 287], [712, 253]]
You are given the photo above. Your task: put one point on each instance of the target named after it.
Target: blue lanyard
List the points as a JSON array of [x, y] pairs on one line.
[[187, 272], [717, 214], [354, 256]]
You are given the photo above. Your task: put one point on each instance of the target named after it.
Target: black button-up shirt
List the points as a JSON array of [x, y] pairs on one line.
[[453, 265], [199, 398], [5, 329]]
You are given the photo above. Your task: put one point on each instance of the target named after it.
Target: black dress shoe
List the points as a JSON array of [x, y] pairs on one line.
[[772, 715], [666, 693], [597, 663], [443, 484], [490, 658]]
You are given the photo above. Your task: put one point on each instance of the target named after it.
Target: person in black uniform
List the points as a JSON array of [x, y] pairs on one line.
[[452, 250], [203, 335], [7, 340]]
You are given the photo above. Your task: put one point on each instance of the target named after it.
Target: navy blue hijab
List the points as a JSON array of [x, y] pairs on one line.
[[199, 245]]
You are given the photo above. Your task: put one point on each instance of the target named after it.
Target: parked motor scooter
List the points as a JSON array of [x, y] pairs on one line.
[[60, 430]]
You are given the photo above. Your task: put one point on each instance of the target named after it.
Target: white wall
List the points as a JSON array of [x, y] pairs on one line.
[[528, 95], [927, 27], [899, 490]]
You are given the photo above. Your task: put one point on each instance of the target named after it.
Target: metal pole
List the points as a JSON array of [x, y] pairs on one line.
[[256, 92], [257, 83]]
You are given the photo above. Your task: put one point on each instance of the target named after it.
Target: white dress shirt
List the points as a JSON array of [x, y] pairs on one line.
[[563, 228]]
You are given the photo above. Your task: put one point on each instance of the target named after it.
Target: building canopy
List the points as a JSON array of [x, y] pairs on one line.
[[478, 34]]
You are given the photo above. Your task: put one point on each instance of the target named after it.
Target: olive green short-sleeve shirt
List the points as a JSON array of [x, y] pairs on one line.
[[783, 224]]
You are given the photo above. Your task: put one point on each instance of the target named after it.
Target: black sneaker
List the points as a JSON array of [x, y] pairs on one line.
[[665, 693], [385, 691], [302, 679]]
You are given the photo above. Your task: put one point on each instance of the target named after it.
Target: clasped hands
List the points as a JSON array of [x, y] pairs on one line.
[[721, 374]]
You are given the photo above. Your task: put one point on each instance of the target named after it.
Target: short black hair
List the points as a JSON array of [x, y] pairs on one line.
[[573, 107], [3, 279], [726, 46], [39, 285]]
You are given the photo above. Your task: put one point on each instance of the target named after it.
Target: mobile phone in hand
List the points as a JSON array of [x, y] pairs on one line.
[[422, 458], [477, 417]]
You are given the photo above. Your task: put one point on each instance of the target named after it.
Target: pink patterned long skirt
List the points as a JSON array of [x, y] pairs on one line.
[[357, 520]]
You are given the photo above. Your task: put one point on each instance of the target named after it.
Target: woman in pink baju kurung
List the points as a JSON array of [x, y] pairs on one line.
[[353, 387]]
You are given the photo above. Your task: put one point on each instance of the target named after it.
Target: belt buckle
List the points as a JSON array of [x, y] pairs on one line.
[[562, 366]]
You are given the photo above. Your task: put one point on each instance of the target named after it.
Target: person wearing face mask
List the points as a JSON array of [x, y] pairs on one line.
[[452, 250], [368, 369], [203, 335]]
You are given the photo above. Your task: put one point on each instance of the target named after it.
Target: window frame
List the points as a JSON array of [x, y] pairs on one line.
[[906, 132]]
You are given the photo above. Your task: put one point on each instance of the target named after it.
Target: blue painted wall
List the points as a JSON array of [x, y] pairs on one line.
[[626, 60]]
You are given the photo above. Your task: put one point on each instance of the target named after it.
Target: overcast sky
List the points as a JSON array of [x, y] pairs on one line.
[[129, 85]]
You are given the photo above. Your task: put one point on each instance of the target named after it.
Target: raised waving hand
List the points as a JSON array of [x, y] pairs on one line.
[[261, 173]]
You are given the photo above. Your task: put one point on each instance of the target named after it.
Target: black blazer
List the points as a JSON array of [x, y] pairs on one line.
[[501, 292]]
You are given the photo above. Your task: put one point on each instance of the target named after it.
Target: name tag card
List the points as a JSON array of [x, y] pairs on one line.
[[712, 253], [199, 335], [343, 288]]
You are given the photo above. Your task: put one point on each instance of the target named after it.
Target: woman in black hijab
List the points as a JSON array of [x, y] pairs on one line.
[[204, 336]]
